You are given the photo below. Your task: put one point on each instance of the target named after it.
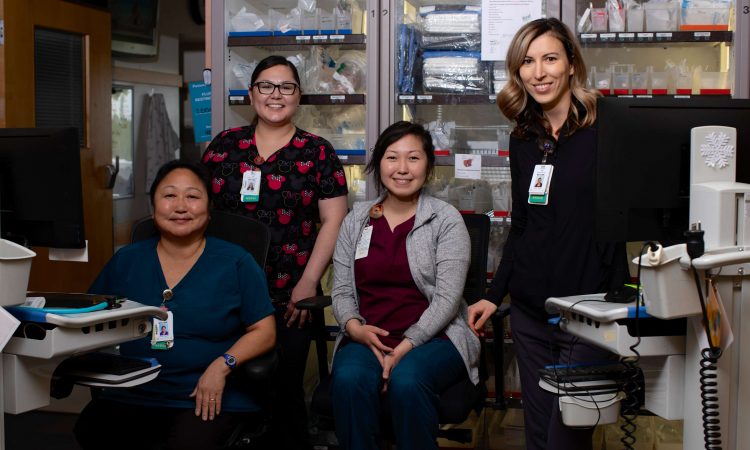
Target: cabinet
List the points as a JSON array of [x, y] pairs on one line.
[[328, 42], [669, 48]]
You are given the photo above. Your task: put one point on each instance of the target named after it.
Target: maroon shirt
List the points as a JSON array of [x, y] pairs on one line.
[[388, 297]]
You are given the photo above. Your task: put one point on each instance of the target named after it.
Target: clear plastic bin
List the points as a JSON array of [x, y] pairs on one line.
[[621, 78], [602, 81], [616, 19], [659, 83], [706, 19], [639, 83], [714, 83], [684, 84], [662, 16], [599, 20], [635, 20]]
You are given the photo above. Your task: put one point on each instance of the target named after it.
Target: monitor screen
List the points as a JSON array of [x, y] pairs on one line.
[[643, 162], [41, 202]]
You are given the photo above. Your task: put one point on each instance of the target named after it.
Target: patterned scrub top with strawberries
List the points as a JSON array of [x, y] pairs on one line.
[[292, 181]]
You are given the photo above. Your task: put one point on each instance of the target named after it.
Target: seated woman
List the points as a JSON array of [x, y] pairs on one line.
[[220, 316], [400, 265]]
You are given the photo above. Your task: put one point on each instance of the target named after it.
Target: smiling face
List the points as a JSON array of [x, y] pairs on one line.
[[275, 108], [546, 72], [181, 205], [403, 169]]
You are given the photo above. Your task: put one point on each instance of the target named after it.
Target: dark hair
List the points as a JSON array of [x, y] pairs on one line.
[[392, 134], [273, 61], [516, 104], [199, 170]]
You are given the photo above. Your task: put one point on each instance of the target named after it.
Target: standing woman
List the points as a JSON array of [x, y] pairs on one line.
[[400, 267], [291, 180], [551, 249]]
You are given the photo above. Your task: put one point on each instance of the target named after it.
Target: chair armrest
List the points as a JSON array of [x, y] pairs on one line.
[[261, 368], [502, 311], [314, 303]]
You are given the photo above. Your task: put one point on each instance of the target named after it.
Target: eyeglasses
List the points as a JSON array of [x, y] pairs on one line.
[[267, 88]]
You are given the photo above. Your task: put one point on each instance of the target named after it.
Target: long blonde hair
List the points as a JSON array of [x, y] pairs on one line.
[[517, 105]]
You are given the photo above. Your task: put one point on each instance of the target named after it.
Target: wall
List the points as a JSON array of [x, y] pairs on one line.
[[163, 75]]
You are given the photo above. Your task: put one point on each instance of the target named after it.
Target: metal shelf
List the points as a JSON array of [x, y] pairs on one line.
[[655, 37], [348, 41], [446, 99], [311, 99]]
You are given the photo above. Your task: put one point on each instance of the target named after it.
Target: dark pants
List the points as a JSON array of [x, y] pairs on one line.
[[289, 411], [536, 345], [412, 394], [115, 426]]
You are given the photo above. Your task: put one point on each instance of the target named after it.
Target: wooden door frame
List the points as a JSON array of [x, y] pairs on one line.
[[17, 110]]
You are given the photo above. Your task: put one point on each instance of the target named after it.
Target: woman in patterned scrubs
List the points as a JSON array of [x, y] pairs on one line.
[[301, 184]]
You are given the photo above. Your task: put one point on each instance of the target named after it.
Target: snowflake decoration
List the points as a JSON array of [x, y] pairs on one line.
[[717, 151]]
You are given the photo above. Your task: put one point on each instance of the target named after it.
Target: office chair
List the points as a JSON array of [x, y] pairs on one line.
[[457, 402], [254, 237]]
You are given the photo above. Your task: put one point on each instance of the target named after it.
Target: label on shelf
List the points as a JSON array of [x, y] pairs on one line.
[[320, 38], [424, 98], [589, 36], [406, 98], [337, 98], [302, 38], [700, 35], [492, 98], [336, 37], [236, 98], [626, 36], [645, 36], [607, 36], [663, 36]]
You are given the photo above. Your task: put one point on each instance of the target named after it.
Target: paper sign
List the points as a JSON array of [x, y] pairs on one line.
[[500, 21], [200, 103], [468, 167]]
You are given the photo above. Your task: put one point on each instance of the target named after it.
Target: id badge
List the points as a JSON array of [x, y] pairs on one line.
[[540, 184], [363, 246], [250, 190], [162, 333]]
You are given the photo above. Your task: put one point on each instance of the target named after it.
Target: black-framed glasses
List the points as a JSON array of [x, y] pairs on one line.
[[267, 88]]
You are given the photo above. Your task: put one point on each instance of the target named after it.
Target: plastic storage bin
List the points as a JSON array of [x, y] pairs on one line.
[[590, 410], [714, 83], [662, 16], [668, 289], [639, 83], [599, 20], [659, 83], [635, 20], [15, 267], [705, 19]]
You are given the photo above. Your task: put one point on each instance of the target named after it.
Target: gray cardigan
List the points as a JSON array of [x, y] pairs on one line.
[[438, 249]]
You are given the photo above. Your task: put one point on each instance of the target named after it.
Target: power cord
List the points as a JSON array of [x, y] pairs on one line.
[[709, 356], [633, 384]]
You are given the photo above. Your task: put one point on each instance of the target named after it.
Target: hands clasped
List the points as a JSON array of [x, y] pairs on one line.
[[369, 335]]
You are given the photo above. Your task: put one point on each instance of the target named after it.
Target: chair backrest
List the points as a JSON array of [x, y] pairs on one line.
[[246, 232], [479, 234]]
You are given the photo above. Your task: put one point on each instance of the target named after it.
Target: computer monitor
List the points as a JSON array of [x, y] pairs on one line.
[[41, 202], [643, 162]]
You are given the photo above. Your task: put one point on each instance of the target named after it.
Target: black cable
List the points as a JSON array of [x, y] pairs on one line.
[[708, 383], [709, 356], [631, 404]]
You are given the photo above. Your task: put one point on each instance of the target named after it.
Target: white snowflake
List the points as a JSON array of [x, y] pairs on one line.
[[717, 151]]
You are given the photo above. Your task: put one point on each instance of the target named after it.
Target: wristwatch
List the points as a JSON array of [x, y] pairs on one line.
[[230, 361]]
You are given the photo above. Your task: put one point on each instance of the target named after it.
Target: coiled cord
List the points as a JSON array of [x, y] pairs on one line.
[[708, 384], [710, 398], [631, 404]]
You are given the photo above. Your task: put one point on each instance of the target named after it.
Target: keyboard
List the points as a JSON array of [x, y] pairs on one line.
[[581, 373], [105, 363]]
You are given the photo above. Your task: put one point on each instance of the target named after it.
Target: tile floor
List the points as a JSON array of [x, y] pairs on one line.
[[53, 431]]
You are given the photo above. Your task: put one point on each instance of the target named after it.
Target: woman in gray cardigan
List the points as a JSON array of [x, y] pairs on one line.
[[400, 266]]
